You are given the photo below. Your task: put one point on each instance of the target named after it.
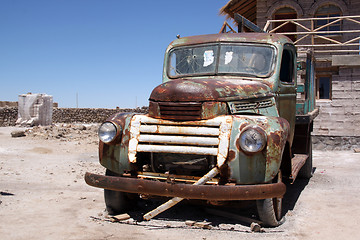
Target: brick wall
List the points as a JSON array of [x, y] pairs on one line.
[[340, 116], [304, 8], [339, 120]]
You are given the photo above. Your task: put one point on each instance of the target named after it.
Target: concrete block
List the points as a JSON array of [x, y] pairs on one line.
[[343, 78], [333, 111], [35, 109], [345, 102], [356, 85], [345, 72], [318, 131], [346, 60], [356, 70]]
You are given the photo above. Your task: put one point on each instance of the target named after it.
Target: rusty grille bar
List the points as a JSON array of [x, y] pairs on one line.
[[206, 137], [180, 111]]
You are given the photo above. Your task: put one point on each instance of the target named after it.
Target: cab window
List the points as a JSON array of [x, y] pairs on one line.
[[287, 69]]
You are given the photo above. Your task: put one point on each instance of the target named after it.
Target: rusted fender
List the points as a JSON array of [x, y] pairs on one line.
[[187, 191], [200, 90], [263, 166], [114, 156]]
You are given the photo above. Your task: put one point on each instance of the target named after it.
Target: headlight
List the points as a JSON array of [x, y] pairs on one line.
[[107, 132], [252, 140]]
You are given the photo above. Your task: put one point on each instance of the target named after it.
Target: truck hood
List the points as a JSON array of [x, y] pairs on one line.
[[201, 90]]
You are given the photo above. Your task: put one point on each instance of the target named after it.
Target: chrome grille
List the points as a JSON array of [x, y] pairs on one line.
[[206, 137]]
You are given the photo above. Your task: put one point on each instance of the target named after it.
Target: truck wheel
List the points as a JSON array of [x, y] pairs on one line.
[[306, 171], [270, 210], [118, 202]]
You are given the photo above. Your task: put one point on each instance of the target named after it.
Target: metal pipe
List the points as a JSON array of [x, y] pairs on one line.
[[177, 149], [202, 141], [148, 120], [164, 129]]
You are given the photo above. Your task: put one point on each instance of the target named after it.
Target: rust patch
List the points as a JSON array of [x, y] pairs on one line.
[[237, 144], [224, 174], [285, 125], [154, 109], [275, 137], [200, 90], [283, 122], [101, 151], [243, 125], [213, 109], [118, 118], [231, 155], [126, 132]]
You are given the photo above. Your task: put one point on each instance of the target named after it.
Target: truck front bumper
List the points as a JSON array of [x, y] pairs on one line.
[[187, 191]]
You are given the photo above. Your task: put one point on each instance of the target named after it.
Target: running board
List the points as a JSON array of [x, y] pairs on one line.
[[296, 164]]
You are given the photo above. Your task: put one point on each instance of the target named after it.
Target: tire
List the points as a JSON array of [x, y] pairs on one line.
[[306, 171], [118, 202], [270, 210]]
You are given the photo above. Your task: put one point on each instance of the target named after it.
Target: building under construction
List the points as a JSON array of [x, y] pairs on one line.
[[331, 29]]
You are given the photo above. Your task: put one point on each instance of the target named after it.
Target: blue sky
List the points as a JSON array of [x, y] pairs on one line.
[[108, 52]]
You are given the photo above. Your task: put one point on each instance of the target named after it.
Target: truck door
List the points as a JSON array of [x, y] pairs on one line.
[[286, 95]]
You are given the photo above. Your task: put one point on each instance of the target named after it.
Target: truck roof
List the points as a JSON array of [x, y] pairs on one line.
[[269, 38]]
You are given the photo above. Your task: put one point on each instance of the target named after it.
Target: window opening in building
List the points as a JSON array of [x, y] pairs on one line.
[[323, 87], [325, 12], [286, 13]]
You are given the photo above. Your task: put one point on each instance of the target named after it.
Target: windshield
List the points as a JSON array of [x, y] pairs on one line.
[[244, 60]]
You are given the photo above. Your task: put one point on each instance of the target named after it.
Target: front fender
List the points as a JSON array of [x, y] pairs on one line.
[[263, 166], [114, 156]]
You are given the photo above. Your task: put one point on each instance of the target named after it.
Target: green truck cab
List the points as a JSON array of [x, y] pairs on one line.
[[230, 121]]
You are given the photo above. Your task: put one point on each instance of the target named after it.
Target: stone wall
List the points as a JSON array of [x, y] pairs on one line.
[[8, 104], [337, 143], [9, 115], [88, 115]]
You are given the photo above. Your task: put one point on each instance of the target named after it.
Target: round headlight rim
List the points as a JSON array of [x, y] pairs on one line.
[[116, 136], [260, 131]]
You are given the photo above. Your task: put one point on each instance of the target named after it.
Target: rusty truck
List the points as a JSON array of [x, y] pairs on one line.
[[232, 118]]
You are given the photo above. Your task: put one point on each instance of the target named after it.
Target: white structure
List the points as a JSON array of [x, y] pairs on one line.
[[35, 109]]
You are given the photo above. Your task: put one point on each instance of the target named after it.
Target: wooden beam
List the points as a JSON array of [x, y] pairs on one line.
[[250, 13], [246, 7], [237, 5], [243, 22]]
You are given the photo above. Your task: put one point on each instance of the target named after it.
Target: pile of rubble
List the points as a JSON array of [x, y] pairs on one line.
[[82, 133]]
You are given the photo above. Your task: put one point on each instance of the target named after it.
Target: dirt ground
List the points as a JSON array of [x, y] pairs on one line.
[[44, 196]]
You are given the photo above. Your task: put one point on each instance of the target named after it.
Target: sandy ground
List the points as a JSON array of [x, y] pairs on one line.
[[44, 196]]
